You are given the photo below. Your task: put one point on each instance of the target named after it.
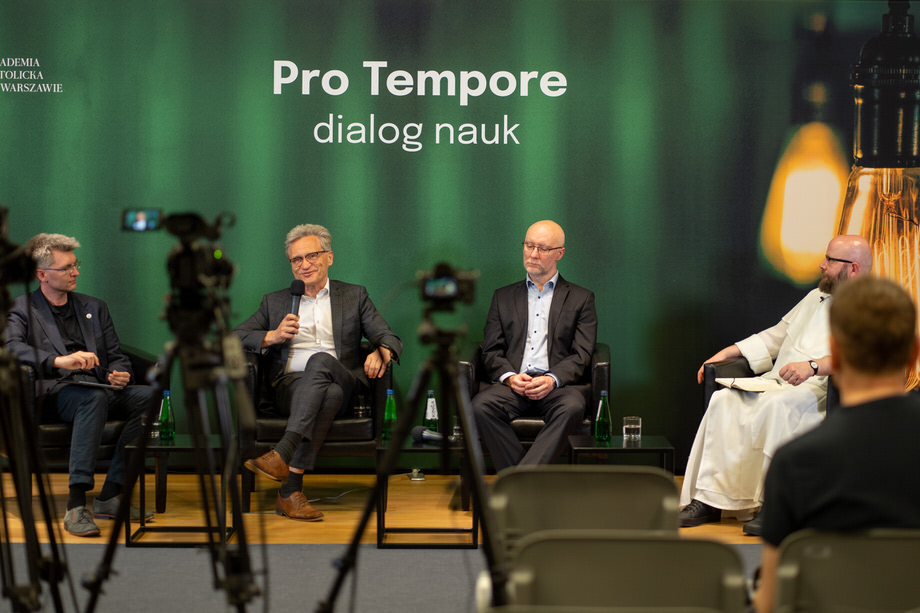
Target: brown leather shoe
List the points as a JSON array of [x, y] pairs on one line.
[[270, 465], [296, 506]]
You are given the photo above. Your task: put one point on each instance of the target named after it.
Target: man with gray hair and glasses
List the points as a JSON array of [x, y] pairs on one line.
[[82, 375], [314, 359]]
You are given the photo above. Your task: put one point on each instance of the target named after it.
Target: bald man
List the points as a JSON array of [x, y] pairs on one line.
[[537, 346], [742, 429]]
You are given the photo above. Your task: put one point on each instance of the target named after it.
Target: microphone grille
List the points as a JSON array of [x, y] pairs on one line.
[[297, 287], [418, 434]]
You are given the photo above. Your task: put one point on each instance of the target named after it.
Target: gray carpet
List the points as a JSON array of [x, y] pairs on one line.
[[161, 580]]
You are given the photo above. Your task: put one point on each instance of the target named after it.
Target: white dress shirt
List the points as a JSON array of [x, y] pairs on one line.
[[315, 332]]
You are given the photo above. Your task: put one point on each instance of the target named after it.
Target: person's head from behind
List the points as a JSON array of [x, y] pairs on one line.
[[873, 324]]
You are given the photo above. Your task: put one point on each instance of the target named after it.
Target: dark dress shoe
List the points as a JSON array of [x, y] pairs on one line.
[[698, 513], [296, 506], [755, 526], [270, 465]]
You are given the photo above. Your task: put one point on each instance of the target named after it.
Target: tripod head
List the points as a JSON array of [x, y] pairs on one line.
[[199, 274], [442, 288]]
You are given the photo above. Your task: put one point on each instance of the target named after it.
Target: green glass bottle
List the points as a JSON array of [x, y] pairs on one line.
[[389, 417], [603, 424], [431, 412], [167, 419]]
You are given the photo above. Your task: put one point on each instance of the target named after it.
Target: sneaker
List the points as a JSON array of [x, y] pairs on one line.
[[698, 513], [79, 522], [108, 509]]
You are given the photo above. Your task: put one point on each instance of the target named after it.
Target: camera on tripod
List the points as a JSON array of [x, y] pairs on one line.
[[196, 266], [444, 286]]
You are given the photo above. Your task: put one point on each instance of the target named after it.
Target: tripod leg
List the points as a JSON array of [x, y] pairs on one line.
[[490, 545], [20, 440], [134, 465]]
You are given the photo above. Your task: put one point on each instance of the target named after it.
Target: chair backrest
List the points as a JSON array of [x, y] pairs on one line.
[[626, 570], [871, 571], [528, 499]]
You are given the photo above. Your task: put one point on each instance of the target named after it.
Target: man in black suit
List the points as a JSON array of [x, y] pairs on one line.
[[314, 358], [538, 341], [69, 339]]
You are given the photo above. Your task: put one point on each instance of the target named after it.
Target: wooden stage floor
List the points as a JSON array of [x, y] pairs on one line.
[[341, 497]]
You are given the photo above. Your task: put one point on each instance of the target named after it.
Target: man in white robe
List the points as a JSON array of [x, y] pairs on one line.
[[742, 429]]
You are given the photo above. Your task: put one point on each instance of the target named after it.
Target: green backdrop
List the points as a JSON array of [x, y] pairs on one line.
[[656, 159]]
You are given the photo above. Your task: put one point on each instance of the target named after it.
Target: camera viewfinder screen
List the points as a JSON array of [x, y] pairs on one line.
[[441, 287], [140, 220]]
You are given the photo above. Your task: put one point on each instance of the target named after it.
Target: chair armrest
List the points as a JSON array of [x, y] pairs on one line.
[[27, 381], [141, 363], [733, 367], [469, 372], [465, 375]]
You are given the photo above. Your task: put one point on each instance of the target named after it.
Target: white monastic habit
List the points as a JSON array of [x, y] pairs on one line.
[[741, 430]]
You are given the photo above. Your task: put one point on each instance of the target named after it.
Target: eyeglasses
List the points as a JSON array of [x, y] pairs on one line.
[[310, 257], [830, 259], [66, 269], [543, 250]]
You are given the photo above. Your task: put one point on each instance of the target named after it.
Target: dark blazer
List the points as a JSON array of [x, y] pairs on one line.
[[32, 336], [354, 318], [572, 331]]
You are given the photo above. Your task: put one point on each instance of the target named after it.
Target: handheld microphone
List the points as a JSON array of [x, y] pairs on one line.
[[297, 290], [421, 434]]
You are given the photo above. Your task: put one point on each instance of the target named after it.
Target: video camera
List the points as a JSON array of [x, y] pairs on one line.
[[196, 270], [445, 286]]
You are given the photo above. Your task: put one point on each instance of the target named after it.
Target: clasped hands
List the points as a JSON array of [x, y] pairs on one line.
[[534, 388], [87, 360]]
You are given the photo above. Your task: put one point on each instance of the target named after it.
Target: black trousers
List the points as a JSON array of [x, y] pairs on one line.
[[563, 410]]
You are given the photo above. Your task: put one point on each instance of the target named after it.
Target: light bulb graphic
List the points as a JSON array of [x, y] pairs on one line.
[[804, 201], [881, 202]]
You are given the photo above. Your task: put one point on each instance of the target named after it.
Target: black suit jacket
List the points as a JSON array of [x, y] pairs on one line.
[[33, 336], [354, 318], [572, 331]]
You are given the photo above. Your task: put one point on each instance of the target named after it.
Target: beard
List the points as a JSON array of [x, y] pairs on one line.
[[829, 283]]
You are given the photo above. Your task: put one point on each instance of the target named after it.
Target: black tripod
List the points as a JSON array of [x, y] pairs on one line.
[[210, 368], [442, 362], [19, 439]]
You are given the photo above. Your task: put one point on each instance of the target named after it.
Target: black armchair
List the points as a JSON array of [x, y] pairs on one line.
[[596, 380], [54, 434], [349, 436], [737, 368]]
